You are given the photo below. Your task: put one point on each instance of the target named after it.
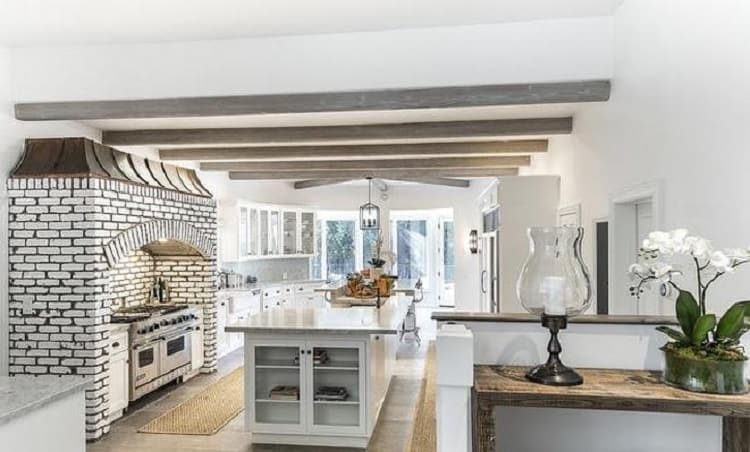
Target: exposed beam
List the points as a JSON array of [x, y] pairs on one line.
[[311, 183], [379, 164], [373, 133], [380, 174], [348, 151], [444, 181], [385, 99]]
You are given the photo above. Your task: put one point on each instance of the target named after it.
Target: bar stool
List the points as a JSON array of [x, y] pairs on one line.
[[409, 325]]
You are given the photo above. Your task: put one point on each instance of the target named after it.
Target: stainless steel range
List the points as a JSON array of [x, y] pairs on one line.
[[160, 344]]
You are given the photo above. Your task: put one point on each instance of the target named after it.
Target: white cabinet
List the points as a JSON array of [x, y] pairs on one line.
[[119, 374], [298, 366], [234, 306], [196, 343], [263, 231], [290, 229], [274, 231], [293, 295], [307, 232]]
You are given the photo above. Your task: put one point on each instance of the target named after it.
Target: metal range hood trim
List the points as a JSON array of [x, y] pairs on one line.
[[54, 157]]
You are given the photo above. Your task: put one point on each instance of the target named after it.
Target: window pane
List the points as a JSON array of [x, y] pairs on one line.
[[339, 248], [449, 252], [369, 237], [412, 249], [317, 268]]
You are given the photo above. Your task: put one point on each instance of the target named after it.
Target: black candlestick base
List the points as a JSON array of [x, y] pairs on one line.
[[554, 372]]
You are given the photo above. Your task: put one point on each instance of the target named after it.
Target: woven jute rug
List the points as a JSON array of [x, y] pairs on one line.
[[424, 430], [205, 413]]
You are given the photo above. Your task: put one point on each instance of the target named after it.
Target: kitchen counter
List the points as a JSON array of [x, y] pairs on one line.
[[24, 394], [364, 320]]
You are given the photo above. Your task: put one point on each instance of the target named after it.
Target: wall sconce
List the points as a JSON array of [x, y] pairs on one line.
[[473, 241]]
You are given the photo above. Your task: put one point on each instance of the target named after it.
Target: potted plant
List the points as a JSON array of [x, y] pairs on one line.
[[705, 354]]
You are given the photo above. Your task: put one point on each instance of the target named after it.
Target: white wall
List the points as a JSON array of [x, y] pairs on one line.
[[12, 134], [518, 52], [678, 113]]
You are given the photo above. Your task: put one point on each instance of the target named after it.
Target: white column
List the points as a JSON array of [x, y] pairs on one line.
[[455, 377]]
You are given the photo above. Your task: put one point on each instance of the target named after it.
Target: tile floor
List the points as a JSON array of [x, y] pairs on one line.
[[391, 432]]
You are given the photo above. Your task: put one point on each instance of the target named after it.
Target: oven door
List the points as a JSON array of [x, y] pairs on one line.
[[144, 363], [175, 351]]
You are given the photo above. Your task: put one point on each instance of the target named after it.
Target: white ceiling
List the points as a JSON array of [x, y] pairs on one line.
[[59, 22]]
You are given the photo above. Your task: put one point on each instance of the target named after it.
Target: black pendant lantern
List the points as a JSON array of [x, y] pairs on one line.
[[369, 213]]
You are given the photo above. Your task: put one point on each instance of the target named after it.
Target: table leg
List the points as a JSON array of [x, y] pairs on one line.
[[735, 434], [484, 425]]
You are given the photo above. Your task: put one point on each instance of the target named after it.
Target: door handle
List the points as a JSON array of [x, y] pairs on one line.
[[484, 273]]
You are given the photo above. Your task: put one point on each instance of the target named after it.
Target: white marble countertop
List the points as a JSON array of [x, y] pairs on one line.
[[23, 394], [365, 320]]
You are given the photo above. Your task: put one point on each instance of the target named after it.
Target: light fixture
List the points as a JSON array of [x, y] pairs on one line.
[[473, 241], [369, 213]]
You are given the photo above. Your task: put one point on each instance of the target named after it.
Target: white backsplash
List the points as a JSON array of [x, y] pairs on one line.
[[272, 269]]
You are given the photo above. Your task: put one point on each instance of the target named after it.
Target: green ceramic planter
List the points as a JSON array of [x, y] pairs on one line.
[[705, 375]]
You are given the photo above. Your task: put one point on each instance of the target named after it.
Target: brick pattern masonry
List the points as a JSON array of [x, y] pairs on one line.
[[70, 239]]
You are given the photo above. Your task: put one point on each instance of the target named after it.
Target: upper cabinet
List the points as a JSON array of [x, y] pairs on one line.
[[275, 231], [307, 232], [290, 226]]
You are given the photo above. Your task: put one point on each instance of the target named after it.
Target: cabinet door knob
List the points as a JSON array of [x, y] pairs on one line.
[[115, 344]]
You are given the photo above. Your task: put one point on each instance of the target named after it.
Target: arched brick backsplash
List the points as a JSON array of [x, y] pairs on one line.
[[135, 238]]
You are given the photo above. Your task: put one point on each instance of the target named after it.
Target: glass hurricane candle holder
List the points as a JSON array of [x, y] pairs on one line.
[[554, 284]]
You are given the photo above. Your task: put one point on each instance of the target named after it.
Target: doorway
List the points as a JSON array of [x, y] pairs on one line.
[[424, 244]]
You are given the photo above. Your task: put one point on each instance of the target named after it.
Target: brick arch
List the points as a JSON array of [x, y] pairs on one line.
[[135, 238]]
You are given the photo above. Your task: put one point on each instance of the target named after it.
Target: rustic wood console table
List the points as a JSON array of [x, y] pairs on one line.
[[603, 389]]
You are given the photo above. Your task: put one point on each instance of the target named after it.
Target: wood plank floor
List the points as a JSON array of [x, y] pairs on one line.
[[391, 433]]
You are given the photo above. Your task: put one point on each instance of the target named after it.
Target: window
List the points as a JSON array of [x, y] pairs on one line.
[[411, 249], [340, 246], [449, 253], [369, 239], [340, 257]]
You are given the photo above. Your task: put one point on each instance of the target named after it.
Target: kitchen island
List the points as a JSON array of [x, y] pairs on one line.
[[318, 376]]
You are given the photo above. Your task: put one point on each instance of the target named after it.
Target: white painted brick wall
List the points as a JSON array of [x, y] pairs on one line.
[[59, 229]]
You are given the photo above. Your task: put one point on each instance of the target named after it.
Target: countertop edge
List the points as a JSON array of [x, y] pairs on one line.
[[528, 318], [7, 416], [264, 330]]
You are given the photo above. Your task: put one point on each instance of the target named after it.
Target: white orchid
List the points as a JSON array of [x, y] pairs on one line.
[[709, 262], [698, 247], [721, 262]]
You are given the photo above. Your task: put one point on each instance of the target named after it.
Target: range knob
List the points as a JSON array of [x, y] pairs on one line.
[[151, 328], [174, 321], [156, 326]]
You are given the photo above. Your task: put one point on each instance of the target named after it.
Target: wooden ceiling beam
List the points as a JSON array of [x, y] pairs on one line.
[[443, 181], [373, 100], [352, 134], [312, 183], [349, 151], [374, 164], [410, 174]]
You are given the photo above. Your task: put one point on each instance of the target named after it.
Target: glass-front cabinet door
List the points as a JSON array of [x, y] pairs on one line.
[[307, 232], [289, 227], [252, 232], [278, 391], [336, 387], [243, 232], [274, 226], [264, 235]]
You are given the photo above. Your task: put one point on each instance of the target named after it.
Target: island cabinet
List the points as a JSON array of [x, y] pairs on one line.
[[318, 376], [303, 416]]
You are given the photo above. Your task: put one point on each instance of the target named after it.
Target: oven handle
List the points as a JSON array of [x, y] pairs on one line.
[[149, 343]]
